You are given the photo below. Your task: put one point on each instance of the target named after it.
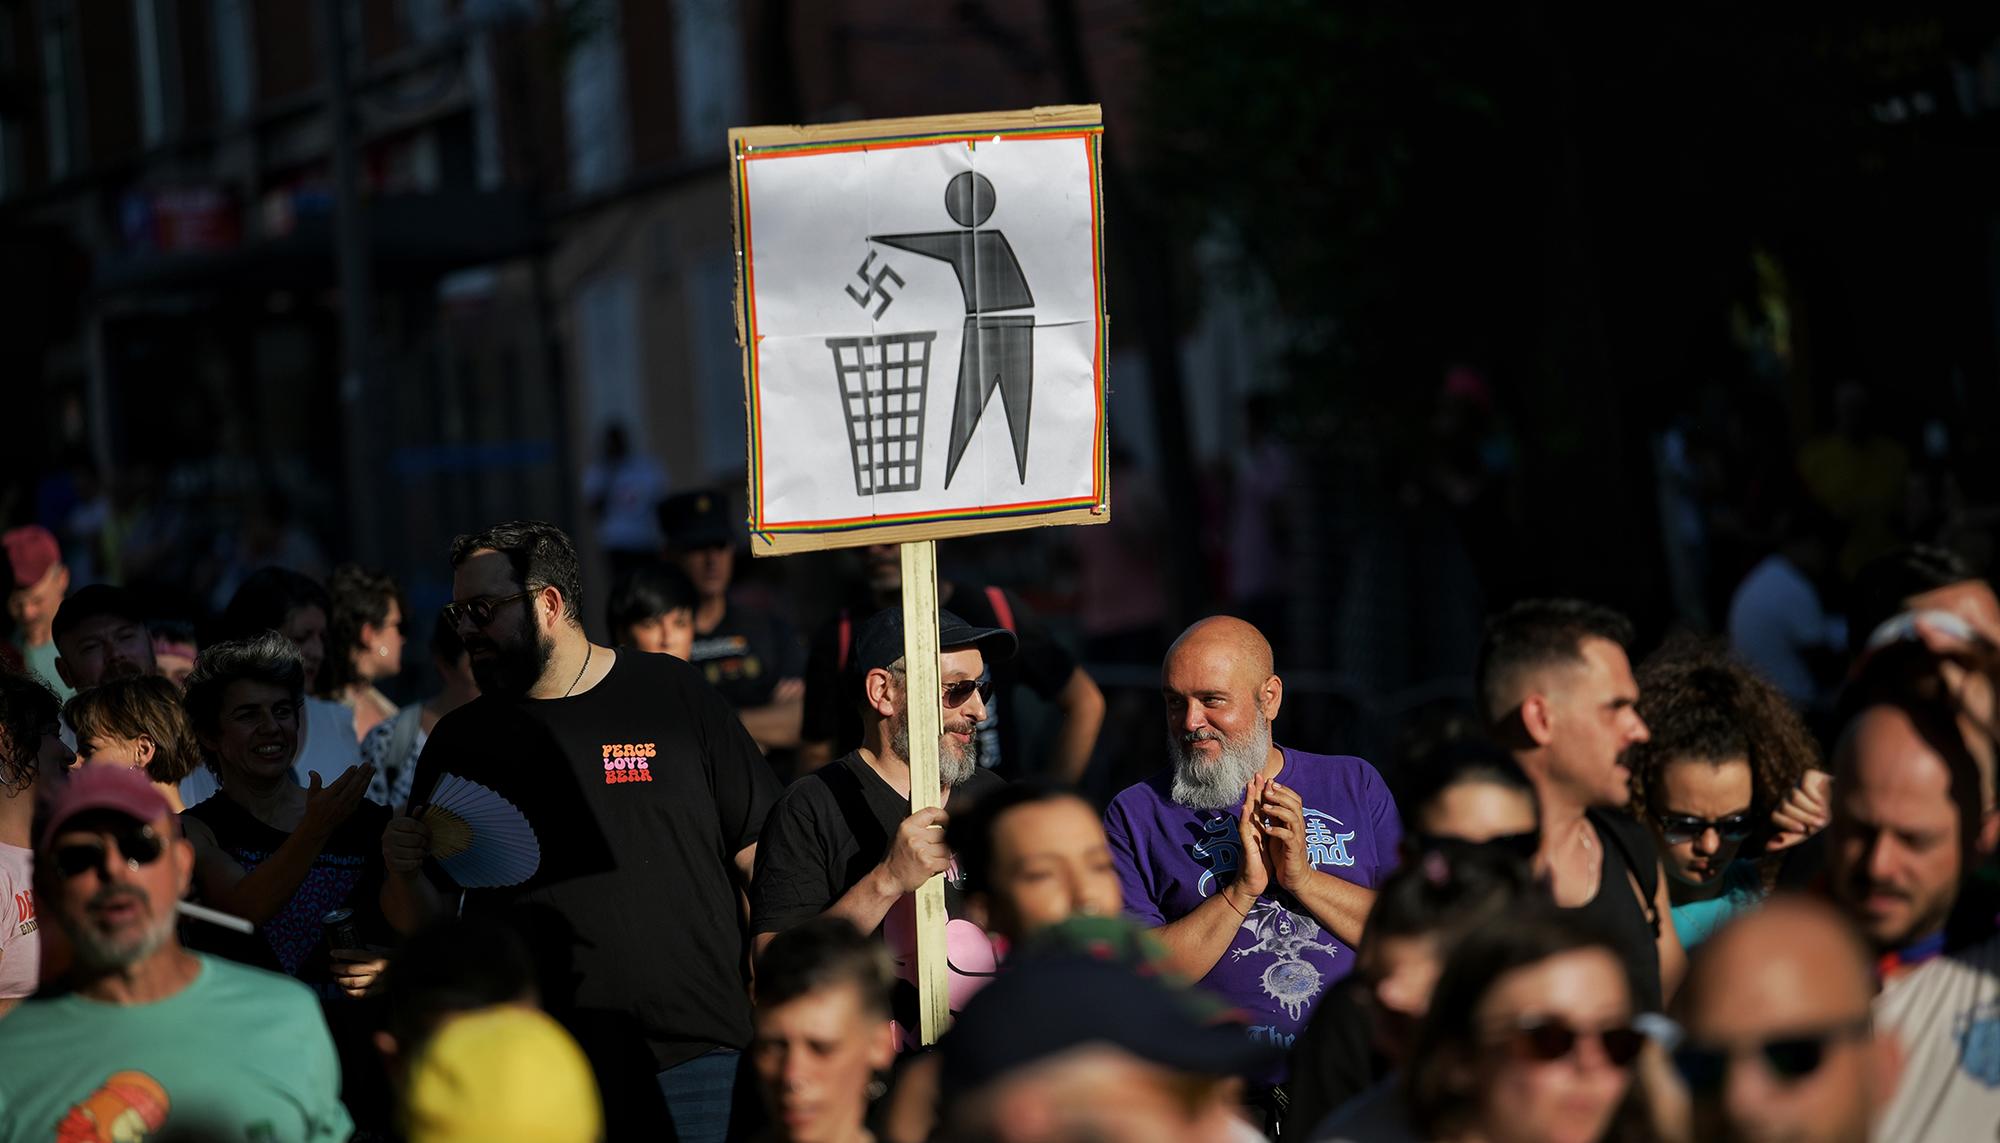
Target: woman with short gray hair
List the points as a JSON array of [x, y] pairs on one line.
[[278, 855]]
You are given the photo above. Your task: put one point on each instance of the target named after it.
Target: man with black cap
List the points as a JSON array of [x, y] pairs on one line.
[[144, 1039], [749, 654], [1066, 1046], [842, 841], [100, 634]]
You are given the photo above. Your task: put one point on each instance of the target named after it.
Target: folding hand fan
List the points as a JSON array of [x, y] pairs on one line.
[[482, 840]]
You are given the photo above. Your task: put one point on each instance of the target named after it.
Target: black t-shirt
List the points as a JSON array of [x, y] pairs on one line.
[[1041, 664], [828, 830], [641, 792], [747, 653], [1334, 1058], [347, 874]]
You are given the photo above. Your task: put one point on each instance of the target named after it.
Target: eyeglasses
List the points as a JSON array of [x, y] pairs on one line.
[[1788, 1058], [1519, 845], [956, 693], [136, 842], [1546, 1039], [481, 609], [1679, 829]]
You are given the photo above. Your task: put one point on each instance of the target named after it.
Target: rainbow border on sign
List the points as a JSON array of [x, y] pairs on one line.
[[1092, 138]]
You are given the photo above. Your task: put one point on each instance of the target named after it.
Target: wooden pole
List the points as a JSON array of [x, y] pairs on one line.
[[926, 715]]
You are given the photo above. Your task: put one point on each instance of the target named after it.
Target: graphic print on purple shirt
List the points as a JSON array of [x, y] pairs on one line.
[[1170, 859]]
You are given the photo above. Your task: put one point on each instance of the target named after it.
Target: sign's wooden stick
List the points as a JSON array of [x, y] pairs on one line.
[[926, 715]]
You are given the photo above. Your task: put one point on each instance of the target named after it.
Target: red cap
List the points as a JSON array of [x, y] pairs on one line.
[[120, 789], [33, 551]]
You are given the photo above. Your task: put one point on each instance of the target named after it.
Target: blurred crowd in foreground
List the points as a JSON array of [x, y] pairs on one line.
[[664, 887]]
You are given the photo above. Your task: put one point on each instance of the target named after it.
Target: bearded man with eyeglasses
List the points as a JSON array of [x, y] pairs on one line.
[[644, 795], [842, 842], [140, 1038]]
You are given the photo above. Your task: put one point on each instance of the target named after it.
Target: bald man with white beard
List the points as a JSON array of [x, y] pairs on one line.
[[1254, 863]]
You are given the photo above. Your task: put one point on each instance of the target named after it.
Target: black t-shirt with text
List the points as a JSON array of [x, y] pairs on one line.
[[746, 655], [828, 830], [641, 792], [1041, 664]]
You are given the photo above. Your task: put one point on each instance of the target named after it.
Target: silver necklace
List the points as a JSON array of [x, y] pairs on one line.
[[589, 649]]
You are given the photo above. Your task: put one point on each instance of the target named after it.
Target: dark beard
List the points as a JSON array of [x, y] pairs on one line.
[[516, 664]]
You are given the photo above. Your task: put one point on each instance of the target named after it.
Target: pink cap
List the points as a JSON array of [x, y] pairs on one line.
[[33, 551], [120, 789]]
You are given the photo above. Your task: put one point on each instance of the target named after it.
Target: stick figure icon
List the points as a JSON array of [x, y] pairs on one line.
[[999, 348]]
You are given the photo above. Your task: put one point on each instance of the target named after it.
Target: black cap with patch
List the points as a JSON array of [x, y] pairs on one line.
[[879, 641], [693, 520]]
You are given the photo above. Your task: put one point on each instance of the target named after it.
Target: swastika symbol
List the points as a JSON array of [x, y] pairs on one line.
[[875, 287]]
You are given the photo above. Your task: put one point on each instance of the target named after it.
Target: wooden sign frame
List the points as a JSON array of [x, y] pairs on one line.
[[752, 144]]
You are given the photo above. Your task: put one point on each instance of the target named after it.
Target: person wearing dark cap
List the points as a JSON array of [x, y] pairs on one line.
[[1070, 1046], [842, 841], [40, 580], [142, 1039], [749, 654], [100, 634]]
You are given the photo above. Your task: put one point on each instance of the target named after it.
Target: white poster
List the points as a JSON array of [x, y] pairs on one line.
[[925, 327]]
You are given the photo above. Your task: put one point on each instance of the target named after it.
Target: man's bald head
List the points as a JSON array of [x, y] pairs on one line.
[[1792, 952], [1225, 639], [1791, 971], [1221, 696]]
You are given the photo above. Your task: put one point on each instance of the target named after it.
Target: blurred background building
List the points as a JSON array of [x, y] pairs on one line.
[[1413, 313]]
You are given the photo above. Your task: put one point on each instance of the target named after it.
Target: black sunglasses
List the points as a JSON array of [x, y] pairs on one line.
[[1518, 845], [955, 694], [136, 842], [481, 609], [1546, 1039], [1789, 1058], [1679, 829]]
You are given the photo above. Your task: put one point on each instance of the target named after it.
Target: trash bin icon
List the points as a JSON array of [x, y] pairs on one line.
[[882, 379]]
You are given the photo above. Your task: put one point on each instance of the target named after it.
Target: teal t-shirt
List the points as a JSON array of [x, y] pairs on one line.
[[1742, 887], [238, 1055], [41, 662]]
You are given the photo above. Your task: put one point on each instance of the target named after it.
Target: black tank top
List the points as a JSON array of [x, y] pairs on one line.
[[346, 874], [1616, 911]]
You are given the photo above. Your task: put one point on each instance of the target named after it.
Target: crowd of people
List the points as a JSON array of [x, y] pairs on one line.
[[666, 889]]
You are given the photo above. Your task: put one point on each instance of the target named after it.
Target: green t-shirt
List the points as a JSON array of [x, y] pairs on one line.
[[1742, 888], [239, 1054], [41, 662]]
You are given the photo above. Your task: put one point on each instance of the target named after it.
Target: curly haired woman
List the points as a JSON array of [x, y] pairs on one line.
[[1726, 764]]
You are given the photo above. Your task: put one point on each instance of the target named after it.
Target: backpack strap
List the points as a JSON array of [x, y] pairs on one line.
[[1002, 611]]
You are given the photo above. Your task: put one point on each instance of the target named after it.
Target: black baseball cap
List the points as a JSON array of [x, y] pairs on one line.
[[879, 642], [697, 519], [91, 602], [1044, 1006]]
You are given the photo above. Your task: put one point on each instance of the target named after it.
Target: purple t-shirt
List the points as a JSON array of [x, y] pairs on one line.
[[1170, 858]]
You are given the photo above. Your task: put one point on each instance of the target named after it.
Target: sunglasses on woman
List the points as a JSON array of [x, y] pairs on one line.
[[1679, 829], [1788, 1058], [1545, 1039], [136, 842]]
